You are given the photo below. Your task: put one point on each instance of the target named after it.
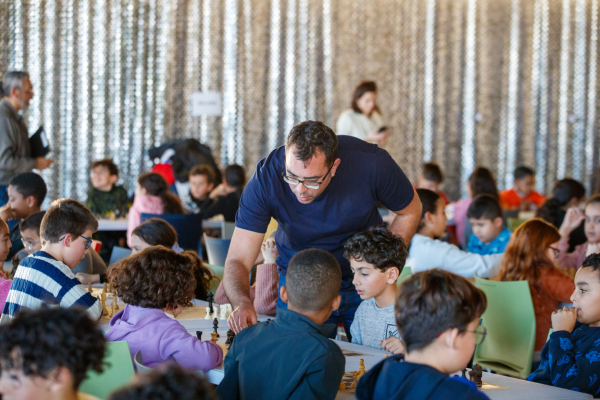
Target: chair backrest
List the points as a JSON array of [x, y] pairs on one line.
[[139, 363], [217, 250], [514, 223], [227, 230], [404, 275], [218, 271], [510, 323], [118, 371], [118, 253], [187, 226]]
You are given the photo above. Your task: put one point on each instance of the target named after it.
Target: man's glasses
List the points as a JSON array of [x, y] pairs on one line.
[[29, 245], [307, 184], [88, 242], [555, 250], [479, 333]]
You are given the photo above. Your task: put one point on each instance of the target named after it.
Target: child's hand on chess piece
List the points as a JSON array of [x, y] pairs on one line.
[[393, 345], [564, 319], [269, 251]]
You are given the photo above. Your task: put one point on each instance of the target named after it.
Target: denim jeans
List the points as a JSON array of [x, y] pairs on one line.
[[345, 314], [3, 195]]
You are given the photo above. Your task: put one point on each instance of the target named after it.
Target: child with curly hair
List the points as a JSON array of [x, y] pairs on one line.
[[155, 282]]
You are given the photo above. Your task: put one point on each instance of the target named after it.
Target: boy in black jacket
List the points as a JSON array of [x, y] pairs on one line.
[[571, 357], [289, 357], [437, 313]]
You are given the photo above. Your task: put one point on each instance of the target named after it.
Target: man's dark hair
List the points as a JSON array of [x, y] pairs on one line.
[[33, 222], [433, 301], [523, 172], [484, 206], [169, 381], [108, 164], [205, 170], [66, 216], [592, 261], [482, 181], [432, 172], [36, 342], [308, 137], [30, 184], [379, 247], [313, 279], [429, 201], [235, 175]]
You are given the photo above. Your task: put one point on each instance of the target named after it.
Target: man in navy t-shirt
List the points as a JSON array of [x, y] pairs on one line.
[[321, 189]]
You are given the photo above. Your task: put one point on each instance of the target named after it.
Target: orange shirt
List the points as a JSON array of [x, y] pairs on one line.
[[510, 199], [442, 195]]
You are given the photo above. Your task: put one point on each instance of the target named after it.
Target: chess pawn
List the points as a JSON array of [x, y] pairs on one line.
[[354, 379], [207, 316], [104, 309], [223, 312], [114, 307], [361, 369], [342, 385], [104, 289], [90, 287], [213, 337], [386, 355]]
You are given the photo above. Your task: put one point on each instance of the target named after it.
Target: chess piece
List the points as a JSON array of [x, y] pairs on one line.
[[354, 379], [90, 287], [229, 309], [114, 307], [230, 338], [342, 385], [211, 298], [213, 337], [386, 355], [475, 374], [361, 369], [199, 335], [104, 289], [104, 309], [223, 312], [216, 326], [207, 316]]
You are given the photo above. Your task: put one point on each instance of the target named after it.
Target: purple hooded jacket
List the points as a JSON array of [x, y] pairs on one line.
[[162, 339]]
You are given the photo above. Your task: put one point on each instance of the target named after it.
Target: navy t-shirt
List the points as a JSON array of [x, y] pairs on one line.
[[348, 205]]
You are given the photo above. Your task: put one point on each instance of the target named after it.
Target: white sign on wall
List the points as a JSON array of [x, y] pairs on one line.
[[205, 103]]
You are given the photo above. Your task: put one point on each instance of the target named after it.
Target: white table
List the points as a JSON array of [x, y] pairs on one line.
[[121, 224]]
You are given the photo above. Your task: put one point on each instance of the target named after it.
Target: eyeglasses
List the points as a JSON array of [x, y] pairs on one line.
[[555, 250], [88, 242], [29, 245], [307, 184], [479, 333]]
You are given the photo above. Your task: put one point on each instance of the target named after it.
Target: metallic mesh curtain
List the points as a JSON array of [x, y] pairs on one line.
[[496, 83]]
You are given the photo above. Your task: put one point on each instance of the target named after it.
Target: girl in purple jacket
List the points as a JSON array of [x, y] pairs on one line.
[[156, 282]]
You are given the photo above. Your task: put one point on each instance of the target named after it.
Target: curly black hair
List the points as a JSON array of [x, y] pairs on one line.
[[377, 246], [592, 261], [156, 277], [39, 341], [167, 382]]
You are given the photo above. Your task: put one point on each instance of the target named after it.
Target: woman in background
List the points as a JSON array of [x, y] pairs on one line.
[[363, 119]]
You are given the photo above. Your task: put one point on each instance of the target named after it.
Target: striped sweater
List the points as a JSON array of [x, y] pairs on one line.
[[41, 279]]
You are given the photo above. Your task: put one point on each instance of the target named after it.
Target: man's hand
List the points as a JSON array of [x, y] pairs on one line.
[[571, 222], [242, 316], [393, 345], [43, 163], [564, 319]]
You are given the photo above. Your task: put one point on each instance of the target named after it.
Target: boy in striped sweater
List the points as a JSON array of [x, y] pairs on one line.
[[45, 276]]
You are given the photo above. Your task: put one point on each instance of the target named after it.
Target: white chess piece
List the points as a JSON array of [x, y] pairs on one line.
[[229, 310], [207, 316], [223, 312]]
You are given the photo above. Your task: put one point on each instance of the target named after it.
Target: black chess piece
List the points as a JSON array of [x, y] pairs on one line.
[[216, 326], [211, 298], [476, 373], [230, 337], [199, 335]]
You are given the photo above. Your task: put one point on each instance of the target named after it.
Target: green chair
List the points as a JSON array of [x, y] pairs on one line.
[[404, 275], [218, 271], [118, 371], [510, 323], [514, 223]]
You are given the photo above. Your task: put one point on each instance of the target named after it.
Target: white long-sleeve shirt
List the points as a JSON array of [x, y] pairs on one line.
[[426, 253], [358, 125]]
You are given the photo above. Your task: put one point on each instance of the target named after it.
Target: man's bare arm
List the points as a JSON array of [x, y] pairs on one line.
[[243, 250], [407, 220]]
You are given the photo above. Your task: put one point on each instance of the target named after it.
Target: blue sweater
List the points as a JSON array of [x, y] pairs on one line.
[[394, 378], [287, 358], [571, 361]]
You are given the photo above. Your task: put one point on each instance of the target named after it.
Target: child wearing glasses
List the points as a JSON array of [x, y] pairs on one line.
[[377, 258], [26, 193], [573, 218], [155, 282], [531, 255], [438, 316], [570, 357], [45, 277]]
